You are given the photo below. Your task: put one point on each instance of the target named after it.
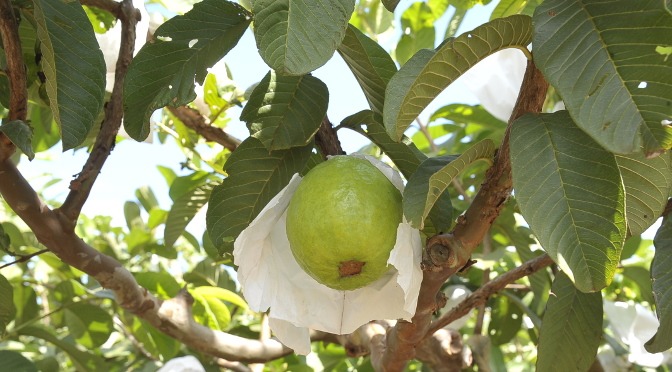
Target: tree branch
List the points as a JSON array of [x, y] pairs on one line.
[[80, 188], [448, 253], [16, 69], [327, 140], [24, 258], [194, 120], [481, 295]]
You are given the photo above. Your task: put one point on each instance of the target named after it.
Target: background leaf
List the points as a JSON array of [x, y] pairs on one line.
[[429, 72], [570, 192], [90, 325], [13, 361], [7, 308], [255, 177], [623, 86], [661, 273], [369, 62], [82, 360], [647, 185], [183, 211], [75, 71], [20, 134], [297, 37], [164, 71], [417, 21], [286, 111], [571, 329]]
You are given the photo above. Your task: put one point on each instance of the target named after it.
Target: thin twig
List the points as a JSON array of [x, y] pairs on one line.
[[425, 132], [481, 295], [448, 253], [194, 120], [80, 188], [24, 258]]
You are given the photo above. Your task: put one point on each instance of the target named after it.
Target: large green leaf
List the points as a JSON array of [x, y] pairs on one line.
[[570, 192], [286, 111], [506, 8], [82, 360], [161, 283], [255, 177], [571, 330], [7, 308], [297, 37], [369, 62], [13, 361], [210, 311], [428, 183], [661, 273], [602, 59], [429, 72], [416, 193], [183, 211], [164, 71], [73, 65], [20, 134], [405, 155], [90, 325], [647, 185]]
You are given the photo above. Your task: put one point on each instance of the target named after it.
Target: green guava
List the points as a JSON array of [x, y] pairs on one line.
[[342, 222]]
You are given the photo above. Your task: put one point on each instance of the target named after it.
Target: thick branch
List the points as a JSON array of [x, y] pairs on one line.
[[481, 295], [173, 317], [16, 69], [194, 120], [448, 253], [80, 188], [327, 140]]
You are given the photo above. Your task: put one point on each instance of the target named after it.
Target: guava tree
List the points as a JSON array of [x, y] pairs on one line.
[[531, 224]]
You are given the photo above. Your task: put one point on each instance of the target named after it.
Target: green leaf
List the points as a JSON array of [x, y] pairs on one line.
[[571, 330], [75, 71], [470, 115], [255, 177], [506, 319], [371, 17], [180, 186], [286, 111], [417, 23], [422, 192], [623, 86], [20, 134], [661, 274], [642, 277], [297, 37], [183, 211], [132, 215], [405, 155], [220, 294], [429, 72], [570, 192], [164, 71], [147, 198], [369, 62], [25, 302], [90, 325], [13, 361], [390, 4], [161, 283], [507, 8], [83, 361], [7, 308], [159, 345], [647, 185], [211, 312]]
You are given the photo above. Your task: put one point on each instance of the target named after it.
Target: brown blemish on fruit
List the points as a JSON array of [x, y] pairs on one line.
[[350, 268]]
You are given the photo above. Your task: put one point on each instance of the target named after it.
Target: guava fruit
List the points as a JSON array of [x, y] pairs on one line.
[[342, 222]]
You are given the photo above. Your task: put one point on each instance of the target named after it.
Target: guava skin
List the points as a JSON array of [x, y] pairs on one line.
[[342, 222]]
